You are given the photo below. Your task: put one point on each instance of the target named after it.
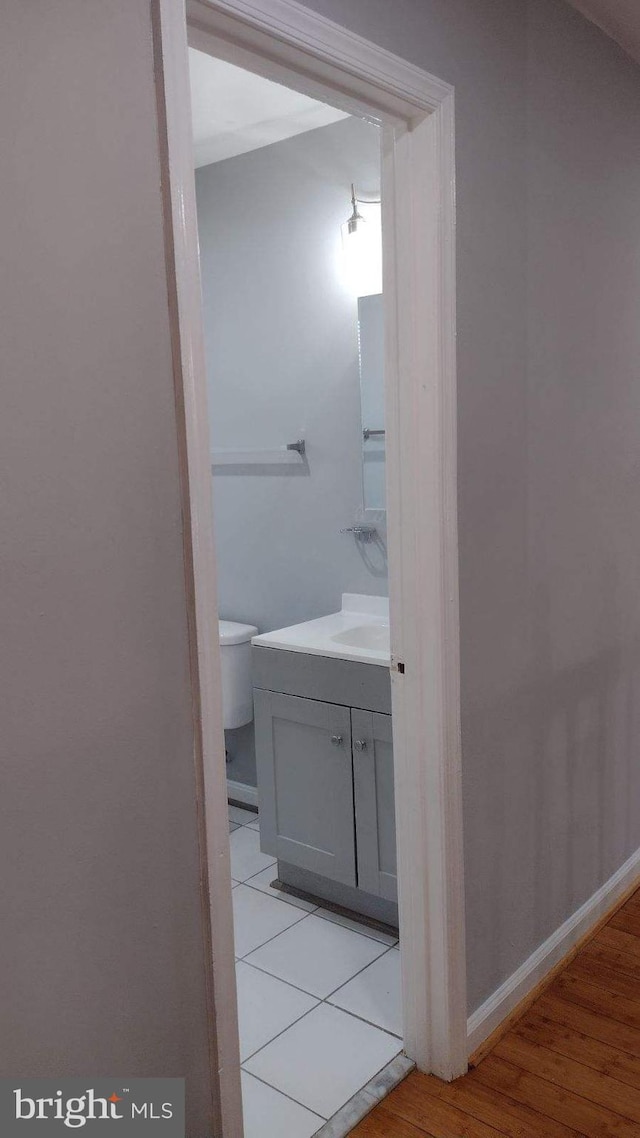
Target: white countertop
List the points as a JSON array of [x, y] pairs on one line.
[[360, 632]]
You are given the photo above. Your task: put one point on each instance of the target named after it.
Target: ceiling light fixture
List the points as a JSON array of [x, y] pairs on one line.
[[356, 217]]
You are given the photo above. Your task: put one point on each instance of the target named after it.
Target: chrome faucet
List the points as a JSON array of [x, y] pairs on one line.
[[362, 532]]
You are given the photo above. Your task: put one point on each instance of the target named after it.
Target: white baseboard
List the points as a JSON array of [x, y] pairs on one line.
[[498, 1006], [240, 792]]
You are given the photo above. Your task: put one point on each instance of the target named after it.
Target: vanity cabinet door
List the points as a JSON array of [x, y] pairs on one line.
[[374, 803], [303, 750]]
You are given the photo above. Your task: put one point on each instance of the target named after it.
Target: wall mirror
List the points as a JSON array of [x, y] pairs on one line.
[[371, 355]]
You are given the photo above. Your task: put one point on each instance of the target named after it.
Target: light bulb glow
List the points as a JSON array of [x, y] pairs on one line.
[[362, 251]]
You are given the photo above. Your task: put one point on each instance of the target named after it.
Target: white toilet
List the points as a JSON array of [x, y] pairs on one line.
[[237, 690]]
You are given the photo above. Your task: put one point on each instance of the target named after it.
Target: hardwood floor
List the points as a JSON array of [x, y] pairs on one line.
[[569, 1068]]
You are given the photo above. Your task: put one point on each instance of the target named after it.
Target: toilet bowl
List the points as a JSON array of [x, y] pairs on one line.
[[237, 690]]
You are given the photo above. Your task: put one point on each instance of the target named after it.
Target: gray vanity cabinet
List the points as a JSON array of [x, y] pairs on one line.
[[325, 775], [306, 784], [374, 803]]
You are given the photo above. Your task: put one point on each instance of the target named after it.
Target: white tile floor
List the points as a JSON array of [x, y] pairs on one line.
[[318, 998]]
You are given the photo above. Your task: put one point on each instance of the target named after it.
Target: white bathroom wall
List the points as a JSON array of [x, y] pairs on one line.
[[282, 357]]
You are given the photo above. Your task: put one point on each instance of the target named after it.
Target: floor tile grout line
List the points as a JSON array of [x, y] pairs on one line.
[[369, 1022], [275, 894], [248, 879], [244, 960], [263, 971], [318, 1000], [323, 916], [275, 937], [358, 973], [303, 1016], [275, 891], [318, 910], [322, 999], [307, 912], [327, 999], [285, 1095]]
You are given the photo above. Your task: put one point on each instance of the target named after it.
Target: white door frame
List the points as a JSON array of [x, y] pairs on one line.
[[283, 40]]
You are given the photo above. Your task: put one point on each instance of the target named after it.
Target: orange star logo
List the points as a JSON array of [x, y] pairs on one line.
[[114, 1098]]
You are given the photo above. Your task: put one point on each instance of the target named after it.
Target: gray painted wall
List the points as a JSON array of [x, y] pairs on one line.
[[101, 958], [102, 968], [282, 357], [548, 184]]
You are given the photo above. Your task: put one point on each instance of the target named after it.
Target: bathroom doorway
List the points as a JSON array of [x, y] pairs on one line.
[[288, 194], [415, 116]]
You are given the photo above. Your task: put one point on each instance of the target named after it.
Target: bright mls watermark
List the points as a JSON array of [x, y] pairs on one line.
[[132, 1107]]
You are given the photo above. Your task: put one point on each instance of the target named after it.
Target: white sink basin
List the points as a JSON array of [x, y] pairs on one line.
[[374, 636], [360, 631]]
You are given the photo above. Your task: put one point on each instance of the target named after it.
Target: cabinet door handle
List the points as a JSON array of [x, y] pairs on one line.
[[360, 744], [337, 740]]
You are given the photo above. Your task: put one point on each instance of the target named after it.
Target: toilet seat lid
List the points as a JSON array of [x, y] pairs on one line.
[[233, 633]]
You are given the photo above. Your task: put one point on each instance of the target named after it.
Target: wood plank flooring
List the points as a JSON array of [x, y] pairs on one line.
[[569, 1068]]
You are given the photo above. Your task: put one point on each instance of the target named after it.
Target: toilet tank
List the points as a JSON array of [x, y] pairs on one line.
[[237, 690]]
